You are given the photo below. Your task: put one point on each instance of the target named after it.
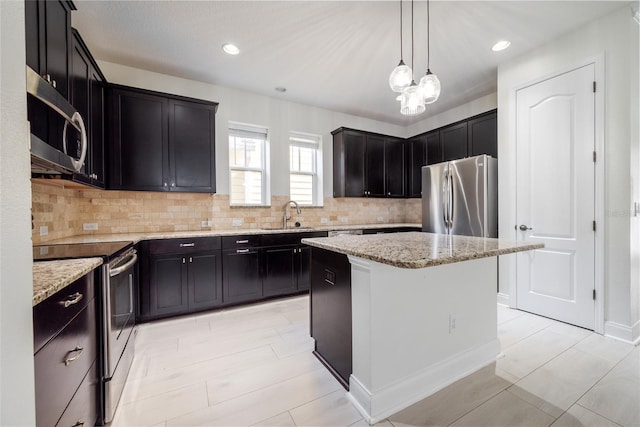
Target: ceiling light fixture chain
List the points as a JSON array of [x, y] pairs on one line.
[[414, 98], [401, 75], [429, 83], [411, 100]]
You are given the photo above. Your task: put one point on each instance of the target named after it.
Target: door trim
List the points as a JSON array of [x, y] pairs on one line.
[[599, 185]]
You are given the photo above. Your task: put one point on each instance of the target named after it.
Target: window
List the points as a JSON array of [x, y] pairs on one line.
[[304, 164], [247, 164]]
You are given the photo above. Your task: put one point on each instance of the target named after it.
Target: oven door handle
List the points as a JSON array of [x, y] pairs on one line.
[[130, 294], [114, 272]]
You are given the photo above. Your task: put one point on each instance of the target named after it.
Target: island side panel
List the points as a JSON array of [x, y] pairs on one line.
[[405, 346], [330, 299]]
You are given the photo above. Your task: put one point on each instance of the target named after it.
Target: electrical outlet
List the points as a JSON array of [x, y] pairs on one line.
[[344, 219], [90, 226], [206, 223], [452, 323], [44, 230], [324, 221], [380, 219], [237, 222]]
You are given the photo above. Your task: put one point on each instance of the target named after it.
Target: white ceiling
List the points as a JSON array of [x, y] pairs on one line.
[[331, 54]]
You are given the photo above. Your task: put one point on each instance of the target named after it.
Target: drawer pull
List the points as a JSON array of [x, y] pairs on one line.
[[72, 299], [242, 241], [187, 245], [242, 251], [78, 349], [78, 423]]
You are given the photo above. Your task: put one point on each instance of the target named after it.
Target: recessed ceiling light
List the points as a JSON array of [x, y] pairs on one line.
[[231, 49], [281, 89], [501, 45]]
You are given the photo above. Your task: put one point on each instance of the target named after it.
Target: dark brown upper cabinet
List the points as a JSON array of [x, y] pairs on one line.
[[373, 165], [453, 140], [86, 89], [160, 142], [483, 135], [368, 165]]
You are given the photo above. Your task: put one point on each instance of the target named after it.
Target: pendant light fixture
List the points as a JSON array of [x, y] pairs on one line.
[[401, 76], [412, 99], [429, 83]]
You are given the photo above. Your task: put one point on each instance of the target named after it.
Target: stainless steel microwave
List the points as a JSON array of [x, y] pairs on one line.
[[45, 158]]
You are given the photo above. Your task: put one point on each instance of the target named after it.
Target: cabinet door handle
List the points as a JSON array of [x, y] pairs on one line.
[[242, 241], [190, 259], [164, 184], [78, 350], [187, 245], [242, 251], [72, 299], [184, 260], [78, 423], [173, 184]]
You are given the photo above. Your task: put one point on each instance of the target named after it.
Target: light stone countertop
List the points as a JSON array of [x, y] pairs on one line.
[[137, 237], [418, 249], [51, 276]]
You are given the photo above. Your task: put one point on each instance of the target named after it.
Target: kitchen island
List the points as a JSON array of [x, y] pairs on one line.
[[398, 317]]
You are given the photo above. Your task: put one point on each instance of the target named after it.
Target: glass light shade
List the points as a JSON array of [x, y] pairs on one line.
[[411, 101], [430, 87], [400, 77]]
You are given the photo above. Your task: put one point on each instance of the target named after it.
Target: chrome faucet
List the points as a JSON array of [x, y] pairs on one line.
[[286, 218]]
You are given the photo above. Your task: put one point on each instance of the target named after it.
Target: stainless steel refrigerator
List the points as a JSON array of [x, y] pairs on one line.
[[461, 197]]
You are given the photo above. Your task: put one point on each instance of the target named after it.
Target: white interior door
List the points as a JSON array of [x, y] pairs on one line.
[[555, 137]]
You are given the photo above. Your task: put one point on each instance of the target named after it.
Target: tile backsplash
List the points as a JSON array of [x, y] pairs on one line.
[[65, 210]]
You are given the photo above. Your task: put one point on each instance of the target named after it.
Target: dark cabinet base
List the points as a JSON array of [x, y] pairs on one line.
[[331, 312]]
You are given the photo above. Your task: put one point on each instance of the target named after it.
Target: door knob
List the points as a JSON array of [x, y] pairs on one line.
[[525, 228]]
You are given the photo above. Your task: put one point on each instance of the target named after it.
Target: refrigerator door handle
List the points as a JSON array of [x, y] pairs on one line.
[[451, 201], [445, 198]]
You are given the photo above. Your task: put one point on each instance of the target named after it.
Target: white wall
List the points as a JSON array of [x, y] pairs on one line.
[[477, 106], [17, 405], [246, 107], [615, 35]]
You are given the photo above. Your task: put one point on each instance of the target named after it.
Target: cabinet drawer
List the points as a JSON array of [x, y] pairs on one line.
[[52, 314], [289, 238], [60, 368], [241, 241], [82, 408], [179, 246]]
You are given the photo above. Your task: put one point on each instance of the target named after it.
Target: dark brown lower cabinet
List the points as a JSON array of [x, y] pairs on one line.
[[65, 365], [280, 272], [304, 268], [83, 406], [180, 276], [331, 312], [242, 280]]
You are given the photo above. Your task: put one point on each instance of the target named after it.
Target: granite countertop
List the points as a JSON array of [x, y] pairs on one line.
[[417, 249], [137, 237], [51, 276]]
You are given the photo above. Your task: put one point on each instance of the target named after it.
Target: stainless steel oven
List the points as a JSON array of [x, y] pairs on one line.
[[118, 335]]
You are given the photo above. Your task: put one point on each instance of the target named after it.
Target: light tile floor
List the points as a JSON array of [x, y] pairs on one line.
[[252, 366]]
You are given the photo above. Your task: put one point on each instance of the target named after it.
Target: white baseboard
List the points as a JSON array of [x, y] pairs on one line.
[[504, 299], [629, 334], [377, 406]]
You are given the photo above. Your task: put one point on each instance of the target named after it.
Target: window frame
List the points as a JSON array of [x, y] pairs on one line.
[[313, 141], [235, 129]]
